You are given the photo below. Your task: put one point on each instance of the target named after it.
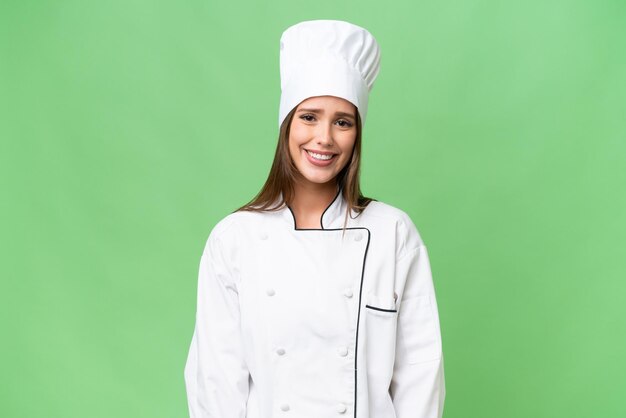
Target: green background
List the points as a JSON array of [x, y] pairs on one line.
[[129, 128]]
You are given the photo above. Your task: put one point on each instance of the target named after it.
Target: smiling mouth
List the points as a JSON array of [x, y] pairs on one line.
[[320, 157]]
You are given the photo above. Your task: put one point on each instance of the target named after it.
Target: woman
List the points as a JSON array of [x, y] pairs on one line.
[[314, 301]]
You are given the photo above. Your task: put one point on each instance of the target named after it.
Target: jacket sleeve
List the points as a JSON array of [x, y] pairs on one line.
[[216, 375], [417, 387]]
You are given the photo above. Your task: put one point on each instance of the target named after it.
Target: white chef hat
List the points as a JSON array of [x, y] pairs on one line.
[[327, 57]]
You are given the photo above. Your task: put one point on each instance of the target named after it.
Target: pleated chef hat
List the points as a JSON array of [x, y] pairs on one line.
[[327, 57]]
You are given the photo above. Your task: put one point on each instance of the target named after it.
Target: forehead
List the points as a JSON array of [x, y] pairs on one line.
[[331, 103]]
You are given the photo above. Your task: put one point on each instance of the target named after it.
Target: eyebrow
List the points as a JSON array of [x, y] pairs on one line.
[[344, 114]]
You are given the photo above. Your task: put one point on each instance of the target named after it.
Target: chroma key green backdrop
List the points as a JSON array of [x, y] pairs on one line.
[[129, 128]]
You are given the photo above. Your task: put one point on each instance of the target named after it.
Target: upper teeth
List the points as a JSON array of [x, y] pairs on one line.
[[320, 156]]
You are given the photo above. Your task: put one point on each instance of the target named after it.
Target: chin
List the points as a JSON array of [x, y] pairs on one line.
[[324, 181], [318, 180]]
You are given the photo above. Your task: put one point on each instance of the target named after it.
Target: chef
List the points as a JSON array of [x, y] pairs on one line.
[[313, 300]]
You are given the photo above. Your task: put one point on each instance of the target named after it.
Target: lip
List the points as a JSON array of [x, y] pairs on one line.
[[319, 163], [320, 152]]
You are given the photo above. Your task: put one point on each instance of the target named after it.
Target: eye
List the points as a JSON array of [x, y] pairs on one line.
[[306, 117], [346, 124]]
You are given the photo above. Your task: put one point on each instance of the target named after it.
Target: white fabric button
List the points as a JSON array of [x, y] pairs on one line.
[[263, 235], [347, 292], [270, 292], [343, 351], [284, 407], [280, 351], [358, 237], [341, 408]]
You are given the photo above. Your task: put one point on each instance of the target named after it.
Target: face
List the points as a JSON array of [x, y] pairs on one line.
[[321, 137]]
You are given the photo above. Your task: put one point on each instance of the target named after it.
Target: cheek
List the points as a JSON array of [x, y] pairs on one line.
[[294, 148], [347, 144], [295, 136]]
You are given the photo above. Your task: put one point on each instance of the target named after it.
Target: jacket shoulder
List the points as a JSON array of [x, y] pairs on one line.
[[223, 233], [408, 235], [230, 226]]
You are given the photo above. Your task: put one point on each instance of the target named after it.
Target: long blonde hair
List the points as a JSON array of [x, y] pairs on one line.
[[283, 174]]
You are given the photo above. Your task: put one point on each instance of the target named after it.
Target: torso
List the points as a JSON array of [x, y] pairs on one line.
[[311, 340]]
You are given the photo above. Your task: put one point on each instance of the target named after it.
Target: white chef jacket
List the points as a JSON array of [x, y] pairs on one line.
[[312, 323]]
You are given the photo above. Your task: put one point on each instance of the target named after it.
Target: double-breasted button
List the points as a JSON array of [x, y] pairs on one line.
[[342, 351], [341, 408], [263, 235], [270, 292], [358, 237], [284, 407], [347, 292], [280, 351]]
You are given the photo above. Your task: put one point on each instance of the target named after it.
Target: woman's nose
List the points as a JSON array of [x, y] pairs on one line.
[[325, 135]]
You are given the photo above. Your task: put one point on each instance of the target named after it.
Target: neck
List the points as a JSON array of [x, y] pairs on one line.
[[310, 200]]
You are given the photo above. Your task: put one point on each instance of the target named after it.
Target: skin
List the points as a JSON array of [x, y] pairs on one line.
[[326, 124]]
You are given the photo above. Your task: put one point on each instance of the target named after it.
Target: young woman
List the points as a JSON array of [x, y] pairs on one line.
[[313, 300]]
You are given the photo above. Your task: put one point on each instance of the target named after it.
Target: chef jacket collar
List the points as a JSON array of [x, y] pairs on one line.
[[332, 217]]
